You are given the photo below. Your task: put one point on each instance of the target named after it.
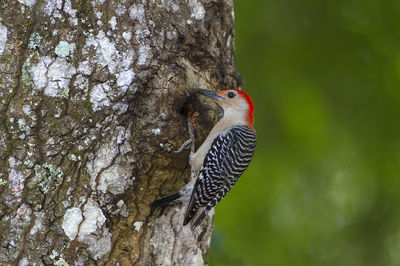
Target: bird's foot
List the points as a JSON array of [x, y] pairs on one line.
[[191, 140]]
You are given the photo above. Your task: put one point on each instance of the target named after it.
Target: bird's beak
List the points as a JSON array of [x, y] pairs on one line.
[[211, 94]]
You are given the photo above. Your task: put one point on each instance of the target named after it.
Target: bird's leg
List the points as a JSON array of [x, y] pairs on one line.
[[191, 140]]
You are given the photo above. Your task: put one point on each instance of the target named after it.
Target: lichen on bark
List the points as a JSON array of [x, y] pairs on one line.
[[93, 99]]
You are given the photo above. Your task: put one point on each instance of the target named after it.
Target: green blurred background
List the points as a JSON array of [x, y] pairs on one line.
[[324, 185]]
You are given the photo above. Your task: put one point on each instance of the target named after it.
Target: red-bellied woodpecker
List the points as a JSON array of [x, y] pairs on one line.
[[221, 159]]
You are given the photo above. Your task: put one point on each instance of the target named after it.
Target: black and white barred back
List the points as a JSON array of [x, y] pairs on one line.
[[228, 158]]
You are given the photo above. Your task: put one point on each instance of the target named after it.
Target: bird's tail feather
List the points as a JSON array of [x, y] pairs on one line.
[[190, 213], [199, 219], [164, 201]]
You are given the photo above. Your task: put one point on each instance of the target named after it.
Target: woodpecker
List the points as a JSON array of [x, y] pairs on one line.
[[221, 159]]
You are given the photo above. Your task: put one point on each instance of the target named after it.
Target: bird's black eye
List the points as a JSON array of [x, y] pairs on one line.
[[231, 94]]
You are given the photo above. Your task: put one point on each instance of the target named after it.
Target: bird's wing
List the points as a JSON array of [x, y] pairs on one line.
[[227, 159]]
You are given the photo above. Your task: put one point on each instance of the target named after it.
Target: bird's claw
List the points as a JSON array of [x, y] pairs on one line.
[[191, 140], [184, 145]]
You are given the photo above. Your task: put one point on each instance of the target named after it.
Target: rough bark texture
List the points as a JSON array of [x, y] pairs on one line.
[[93, 98]]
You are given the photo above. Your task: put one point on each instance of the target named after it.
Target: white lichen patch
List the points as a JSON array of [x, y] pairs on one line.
[[68, 8], [175, 7], [24, 262], [93, 218], [144, 54], [39, 216], [113, 22], [120, 108], [137, 226], [21, 218], [72, 219], [124, 79], [99, 14], [127, 36], [27, 110], [118, 63], [50, 141], [62, 49], [106, 51], [93, 232], [126, 59], [156, 131], [53, 8], [120, 9], [16, 181], [122, 209], [39, 72], [97, 2], [102, 94], [103, 158], [29, 3], [114, 179], [98, 246], [142, 33], [137, 12], [3, 38], [198, 10], [85, 68], [12, 162], [52, 75], [99, 96], [171, 35], [22, 125]]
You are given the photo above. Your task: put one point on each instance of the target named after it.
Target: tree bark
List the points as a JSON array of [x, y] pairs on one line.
[[94, 96]]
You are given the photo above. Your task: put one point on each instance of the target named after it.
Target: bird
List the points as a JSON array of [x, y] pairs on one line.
[[221, 159]]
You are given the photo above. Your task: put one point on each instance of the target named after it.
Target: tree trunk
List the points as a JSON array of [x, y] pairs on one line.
[[94, 96]]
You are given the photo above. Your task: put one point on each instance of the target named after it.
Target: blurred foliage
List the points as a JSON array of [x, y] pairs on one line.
[[324, 185]]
